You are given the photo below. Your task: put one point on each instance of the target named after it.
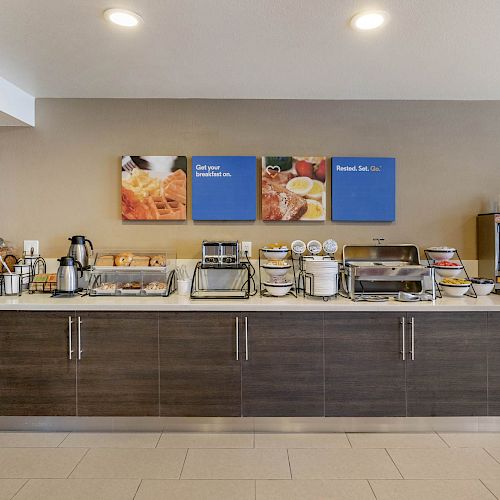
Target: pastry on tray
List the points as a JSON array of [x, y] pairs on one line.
[[105, 260], [140, 261], [158, 261], [124, 259], [105, 288], [132, 285], [156, 286]]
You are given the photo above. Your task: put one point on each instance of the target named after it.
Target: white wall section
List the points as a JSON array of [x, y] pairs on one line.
[[17, 107]]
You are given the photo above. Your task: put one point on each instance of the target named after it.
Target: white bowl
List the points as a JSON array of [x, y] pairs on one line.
[[448, 271], [483, 289], [441, 254], [454, 290], [276, 270], [275, 253], [278, 289]]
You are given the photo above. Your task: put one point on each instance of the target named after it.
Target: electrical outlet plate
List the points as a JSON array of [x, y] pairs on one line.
[[31, 247], [246, 248]]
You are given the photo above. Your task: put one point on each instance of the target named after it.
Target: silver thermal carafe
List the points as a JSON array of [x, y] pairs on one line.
[[67, 275], [78, 250]]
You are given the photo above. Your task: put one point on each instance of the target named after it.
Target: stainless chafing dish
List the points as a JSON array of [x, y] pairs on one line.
[[384, 270]]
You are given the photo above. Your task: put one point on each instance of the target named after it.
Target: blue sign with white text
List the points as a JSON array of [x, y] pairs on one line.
[[224, 187], [363, 189]]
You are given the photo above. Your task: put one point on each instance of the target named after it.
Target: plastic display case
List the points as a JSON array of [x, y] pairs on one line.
[[133, 273]]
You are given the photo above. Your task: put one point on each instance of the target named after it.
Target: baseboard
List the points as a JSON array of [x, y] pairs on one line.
[[249, 424]]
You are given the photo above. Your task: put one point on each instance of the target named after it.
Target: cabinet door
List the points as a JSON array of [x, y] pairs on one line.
[[118, 370], [448, 376], [364, 368], [494, 364], [199, 373], [283, 375], [36, 375]]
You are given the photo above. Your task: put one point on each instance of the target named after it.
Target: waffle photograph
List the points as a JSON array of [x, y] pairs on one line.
[[154, 187]]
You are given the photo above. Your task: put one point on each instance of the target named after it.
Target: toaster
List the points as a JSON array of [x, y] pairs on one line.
[[220, 254]]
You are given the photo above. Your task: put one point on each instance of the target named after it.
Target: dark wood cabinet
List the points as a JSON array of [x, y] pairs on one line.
[[283, 375], [200, 375], [118, 370], [494, 364], [231, 364], [448, 376], [364, 367], [36, 375]]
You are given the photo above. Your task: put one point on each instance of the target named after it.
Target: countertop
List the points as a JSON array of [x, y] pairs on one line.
[[44, 302]]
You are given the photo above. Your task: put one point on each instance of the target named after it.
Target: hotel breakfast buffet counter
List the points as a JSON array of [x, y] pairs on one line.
[[44, 302], [261, 357]]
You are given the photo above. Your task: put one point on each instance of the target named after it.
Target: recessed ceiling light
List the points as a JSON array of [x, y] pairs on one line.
[[122, 17], [369, 20]]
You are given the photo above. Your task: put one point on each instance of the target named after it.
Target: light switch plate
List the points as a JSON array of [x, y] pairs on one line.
[[31, 244]]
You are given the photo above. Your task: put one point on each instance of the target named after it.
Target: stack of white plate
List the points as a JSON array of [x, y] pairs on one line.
[[324, 272]]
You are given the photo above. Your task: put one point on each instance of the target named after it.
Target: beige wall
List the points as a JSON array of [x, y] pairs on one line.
[[62, 177]]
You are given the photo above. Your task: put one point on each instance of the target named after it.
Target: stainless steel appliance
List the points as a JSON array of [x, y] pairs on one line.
[[488, 247], [384, 270], [220, 254], [78, 250], [67, 275]]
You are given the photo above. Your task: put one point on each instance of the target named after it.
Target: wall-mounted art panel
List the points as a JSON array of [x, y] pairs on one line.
[[224, 187], [154, 187], [363, 189], [293, 188]]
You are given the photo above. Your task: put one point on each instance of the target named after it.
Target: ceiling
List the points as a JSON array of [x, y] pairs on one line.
[[270, 49]]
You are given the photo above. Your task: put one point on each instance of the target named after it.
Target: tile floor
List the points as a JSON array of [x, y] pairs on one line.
[[185, 466]]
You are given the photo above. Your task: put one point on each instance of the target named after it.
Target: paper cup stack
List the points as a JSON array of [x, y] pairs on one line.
[[324, 276]]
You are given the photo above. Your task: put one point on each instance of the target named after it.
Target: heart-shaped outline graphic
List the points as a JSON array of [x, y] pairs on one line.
[[273, 170]]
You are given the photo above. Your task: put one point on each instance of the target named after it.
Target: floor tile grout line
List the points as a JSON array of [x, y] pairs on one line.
[[137, 490], [392, 460], [497, 461], [348, 440], [158, 440], [79, 462], [371, 488], [289, 464], [20, 488], [255, 488], [443, 439], [64, 439], [184, 463], [484, 484]]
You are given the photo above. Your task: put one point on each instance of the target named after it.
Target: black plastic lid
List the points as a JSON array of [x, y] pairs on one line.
[[77, 240], [67, 261]]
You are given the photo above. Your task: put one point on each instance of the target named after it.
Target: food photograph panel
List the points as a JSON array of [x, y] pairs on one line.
[[154, 188], [293, 188]]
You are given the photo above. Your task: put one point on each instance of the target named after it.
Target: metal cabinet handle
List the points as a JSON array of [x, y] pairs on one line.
[[237, 338], [70, 335], [412, 349], [246, 338], [403, 335], [79, 338]]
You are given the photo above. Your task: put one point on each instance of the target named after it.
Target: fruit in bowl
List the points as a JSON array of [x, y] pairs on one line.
[[482, 286], [441, 253], [447, 269], [455, 287]]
